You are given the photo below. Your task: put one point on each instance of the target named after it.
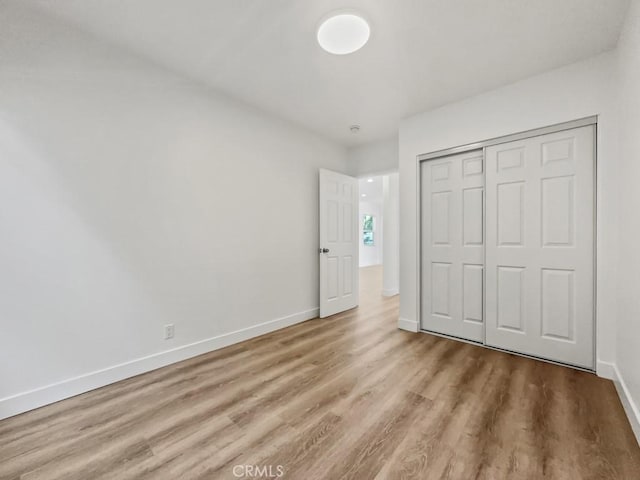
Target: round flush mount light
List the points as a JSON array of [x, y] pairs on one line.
[[343, 33], [354, 129]]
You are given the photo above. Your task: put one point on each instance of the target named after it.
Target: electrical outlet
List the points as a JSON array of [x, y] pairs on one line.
[[169, 331]]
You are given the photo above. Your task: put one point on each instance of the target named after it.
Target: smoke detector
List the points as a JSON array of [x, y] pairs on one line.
[[354, 128]]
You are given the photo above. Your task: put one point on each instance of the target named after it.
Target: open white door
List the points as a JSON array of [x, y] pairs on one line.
[[338, 243]]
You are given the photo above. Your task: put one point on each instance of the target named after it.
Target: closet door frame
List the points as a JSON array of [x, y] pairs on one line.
[[482, 145]]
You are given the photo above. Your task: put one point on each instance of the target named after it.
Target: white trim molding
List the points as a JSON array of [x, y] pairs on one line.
[[630, 407], [46, 395], [408, 325], [390, 293], [610, 370], [606, 370]]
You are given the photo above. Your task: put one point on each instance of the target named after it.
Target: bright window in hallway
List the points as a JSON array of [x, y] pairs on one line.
[[367, 230]]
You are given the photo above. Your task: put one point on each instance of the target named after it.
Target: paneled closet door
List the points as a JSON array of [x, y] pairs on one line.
[[452, 201], [540, 246]]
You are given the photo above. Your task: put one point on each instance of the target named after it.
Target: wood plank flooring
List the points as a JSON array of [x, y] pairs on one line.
[[348, 397]]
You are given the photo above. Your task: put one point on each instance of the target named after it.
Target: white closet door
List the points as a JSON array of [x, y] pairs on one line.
[[452, 192], [540, 246]]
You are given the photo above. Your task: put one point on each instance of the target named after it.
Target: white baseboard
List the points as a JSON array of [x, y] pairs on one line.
[[408, 325], [606, 370], [39, 397], [610, 370], [630, 407], [390, 293]]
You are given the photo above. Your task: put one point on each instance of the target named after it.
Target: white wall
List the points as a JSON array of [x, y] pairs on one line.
[[628, 344], [372, 255], [579, 90], [131, 198], [373, 158], [391, 245]]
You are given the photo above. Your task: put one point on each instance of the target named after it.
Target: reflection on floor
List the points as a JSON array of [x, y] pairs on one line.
[[349, 396]]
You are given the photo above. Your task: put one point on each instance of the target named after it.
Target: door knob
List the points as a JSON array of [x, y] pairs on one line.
[[324, 250]]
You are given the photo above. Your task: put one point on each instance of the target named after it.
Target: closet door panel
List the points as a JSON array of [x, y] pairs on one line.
[[452, 208], [540, 246]]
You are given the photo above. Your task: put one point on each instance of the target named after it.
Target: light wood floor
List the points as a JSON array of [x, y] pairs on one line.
[[344, 397]]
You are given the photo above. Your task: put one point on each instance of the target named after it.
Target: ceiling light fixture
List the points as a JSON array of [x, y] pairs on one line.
[[370, 180], [343, 33], [364, 195], [354, 128]]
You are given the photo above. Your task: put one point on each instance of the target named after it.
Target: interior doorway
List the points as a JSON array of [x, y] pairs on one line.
[[379, 231]]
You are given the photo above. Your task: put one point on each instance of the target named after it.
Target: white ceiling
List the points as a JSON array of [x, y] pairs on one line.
[[422, 53], [372, 190]]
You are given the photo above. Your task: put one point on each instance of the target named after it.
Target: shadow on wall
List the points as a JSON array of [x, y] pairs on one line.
[[131, 198]]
